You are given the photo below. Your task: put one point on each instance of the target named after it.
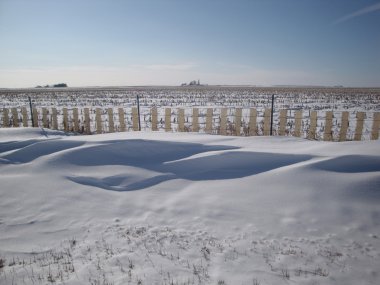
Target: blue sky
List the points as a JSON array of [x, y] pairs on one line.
[[167, 42]]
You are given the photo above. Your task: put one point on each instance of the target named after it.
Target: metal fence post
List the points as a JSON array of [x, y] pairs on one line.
[[31, 110]]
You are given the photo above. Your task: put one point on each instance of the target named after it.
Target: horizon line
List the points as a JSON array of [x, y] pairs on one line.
[[193, 86]]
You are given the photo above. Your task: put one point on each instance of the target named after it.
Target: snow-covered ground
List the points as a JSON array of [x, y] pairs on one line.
[[180, 208], [291, 98]]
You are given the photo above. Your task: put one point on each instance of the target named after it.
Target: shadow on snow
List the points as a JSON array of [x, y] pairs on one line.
[[172, 160]]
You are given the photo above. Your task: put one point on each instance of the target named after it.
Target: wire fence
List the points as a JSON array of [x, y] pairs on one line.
[[312, 124]]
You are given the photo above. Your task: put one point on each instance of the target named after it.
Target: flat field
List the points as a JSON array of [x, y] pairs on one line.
[[339, 99]]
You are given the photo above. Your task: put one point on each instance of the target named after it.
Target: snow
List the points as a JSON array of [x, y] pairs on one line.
[[182, 208]]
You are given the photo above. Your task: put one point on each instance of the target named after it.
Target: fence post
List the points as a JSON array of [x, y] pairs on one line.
[[135, 119], [283, 119], [138, 111], [181, 120], [195, 123], [44, 118], [267, 114], [223, 121], [76, 120], [31, 110], [54, 119], [98, 120], [5, 118], [375, 126], [313, 125], [298, 123], [154, 119], [66, 126], [121, 119], [271, 116], [238, 115], [360, 116], [343, 127], [168, 117], [328, 127], [35, 117], [24, 117], [87, 121], [252, 122], [15, 117], [208, 129], [111, 125]]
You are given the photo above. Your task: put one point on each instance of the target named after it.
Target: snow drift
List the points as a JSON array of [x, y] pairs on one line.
[[160, 208]]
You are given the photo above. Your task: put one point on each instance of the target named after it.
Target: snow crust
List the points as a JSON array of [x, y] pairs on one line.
[[180, 208]]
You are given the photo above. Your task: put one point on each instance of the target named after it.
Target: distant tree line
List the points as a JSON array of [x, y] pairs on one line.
[[59, 85]]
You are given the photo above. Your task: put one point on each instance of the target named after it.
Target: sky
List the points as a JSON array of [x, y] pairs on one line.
[[168, 42]]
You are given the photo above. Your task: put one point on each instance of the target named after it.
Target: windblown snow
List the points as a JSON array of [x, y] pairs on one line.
[[176, 208]]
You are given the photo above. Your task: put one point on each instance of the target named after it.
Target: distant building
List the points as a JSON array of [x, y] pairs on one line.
[[192, 83]]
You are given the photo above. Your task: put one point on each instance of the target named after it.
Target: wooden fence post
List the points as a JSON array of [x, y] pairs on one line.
[[375, 126], [343, 127], [298, 123], [15, 117], [76, 119], [252, 122], [24, 117], [98, 119], [154, 119], [5, 118], [45, 118], [66, 126], [283, 119], [313, 125], [195, 124], [208, 128], [87, 124], [35, 117], [238, 116], [223, 121], [181, 120], [54, 119], [135, 119], [111, 125], [168, 117], [328, 127], [121, 119], [267, 114], [360, 116]]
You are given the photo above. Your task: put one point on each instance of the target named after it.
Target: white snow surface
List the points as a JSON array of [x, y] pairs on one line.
[[180, 208]]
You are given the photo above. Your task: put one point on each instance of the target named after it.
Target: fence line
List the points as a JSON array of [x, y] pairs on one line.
[[214, 121]]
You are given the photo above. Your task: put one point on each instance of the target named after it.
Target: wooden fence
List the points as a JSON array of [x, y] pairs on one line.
[[100, 120]]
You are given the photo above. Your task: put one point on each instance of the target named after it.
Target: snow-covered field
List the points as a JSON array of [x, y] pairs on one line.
[[336, 99], [180, 208]]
